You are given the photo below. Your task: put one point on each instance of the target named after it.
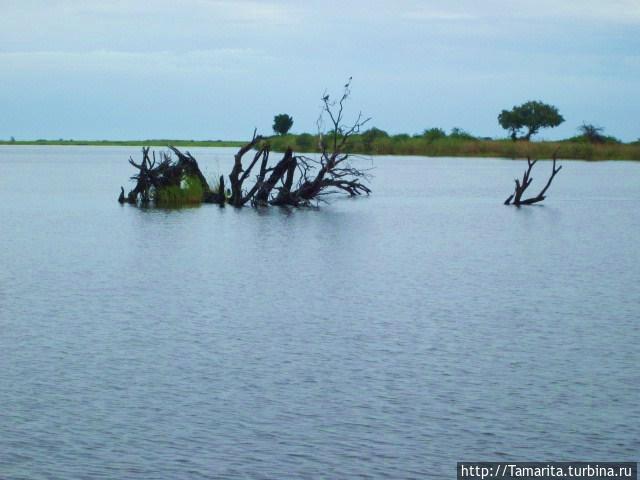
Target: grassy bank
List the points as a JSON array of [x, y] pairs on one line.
[[462, 145], [469, 147]]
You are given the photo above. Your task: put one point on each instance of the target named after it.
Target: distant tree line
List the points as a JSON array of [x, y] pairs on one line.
[[522, 122], [438, 142]]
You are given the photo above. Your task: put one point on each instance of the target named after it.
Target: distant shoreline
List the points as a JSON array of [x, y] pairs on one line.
[[570, 150]]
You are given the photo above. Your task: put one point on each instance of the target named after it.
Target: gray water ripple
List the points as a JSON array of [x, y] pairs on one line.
[[388, 337]]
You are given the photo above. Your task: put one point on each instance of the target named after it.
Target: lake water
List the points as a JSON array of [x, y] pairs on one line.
[[382, 337]]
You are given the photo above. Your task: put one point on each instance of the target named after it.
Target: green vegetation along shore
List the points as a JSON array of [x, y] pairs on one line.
[[463, 145], [378, 142]]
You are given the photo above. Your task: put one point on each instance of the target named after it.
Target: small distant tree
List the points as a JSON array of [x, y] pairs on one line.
[[592, 133], [371, 135], [432, 134], [282, 123], [12, 139], [532, 116], [460, 134]]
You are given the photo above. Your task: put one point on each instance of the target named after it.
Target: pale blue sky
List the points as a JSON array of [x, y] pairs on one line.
[[207, 69]]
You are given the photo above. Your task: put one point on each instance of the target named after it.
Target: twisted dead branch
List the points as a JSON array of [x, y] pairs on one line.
[[521, 185]]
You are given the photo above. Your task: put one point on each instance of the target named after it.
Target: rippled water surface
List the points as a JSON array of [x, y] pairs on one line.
[[384, 337]]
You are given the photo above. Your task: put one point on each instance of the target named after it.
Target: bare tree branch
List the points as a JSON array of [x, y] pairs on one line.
[[521, 186]]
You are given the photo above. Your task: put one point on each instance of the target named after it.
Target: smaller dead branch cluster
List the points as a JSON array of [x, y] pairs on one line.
[[157, 179], [295, 180], [522, 184]]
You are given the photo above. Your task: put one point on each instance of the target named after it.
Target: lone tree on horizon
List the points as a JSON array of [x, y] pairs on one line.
[[532, 115], [282, 123], [592, 133]]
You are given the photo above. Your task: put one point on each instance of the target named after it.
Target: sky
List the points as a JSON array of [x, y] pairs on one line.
[[207, 69]]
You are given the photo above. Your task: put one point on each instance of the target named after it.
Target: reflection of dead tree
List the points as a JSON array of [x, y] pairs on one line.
[[521, 185], [294, 180]]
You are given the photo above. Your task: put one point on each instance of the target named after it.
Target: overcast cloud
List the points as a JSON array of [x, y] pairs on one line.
[[216, 69]]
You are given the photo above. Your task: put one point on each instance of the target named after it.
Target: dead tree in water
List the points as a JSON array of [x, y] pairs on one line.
[[332, 171], [300, 180], [293, 181], [152, 177], [521, 185]]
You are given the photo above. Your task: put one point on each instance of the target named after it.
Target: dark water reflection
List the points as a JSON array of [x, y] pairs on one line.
[[386, 337]]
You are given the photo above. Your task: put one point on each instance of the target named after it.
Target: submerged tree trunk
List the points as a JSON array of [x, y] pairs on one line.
[[263, 193]]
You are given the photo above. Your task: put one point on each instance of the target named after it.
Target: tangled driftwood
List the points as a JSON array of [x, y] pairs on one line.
[[295, 180]]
